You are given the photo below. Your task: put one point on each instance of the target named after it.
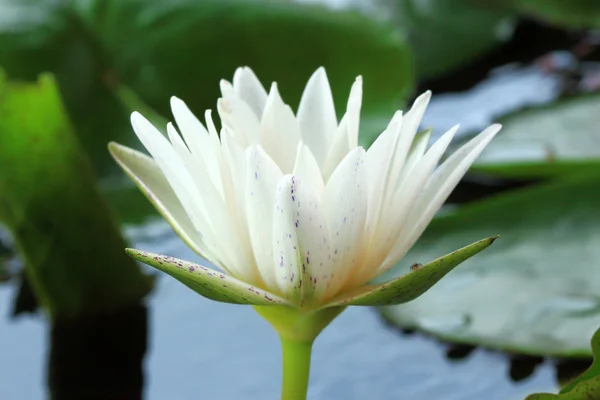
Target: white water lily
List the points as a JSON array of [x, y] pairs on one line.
[[288, 205], [297, 216]]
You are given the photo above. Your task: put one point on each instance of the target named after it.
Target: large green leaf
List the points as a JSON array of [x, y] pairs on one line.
[[535, 291], [49, 201], [39, 36], [185, 48], [570, 13], [585, 386], [560, 138], [445, 34]]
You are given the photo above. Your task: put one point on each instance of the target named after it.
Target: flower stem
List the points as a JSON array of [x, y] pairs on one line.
[[296, 368]]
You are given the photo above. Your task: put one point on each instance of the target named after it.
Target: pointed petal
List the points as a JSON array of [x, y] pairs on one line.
[[417, 150], [247, 86], [307, 170], [339, 148], [301, 247], [226, 88], [316, 115], [239, 118], [279, 131], [346, 135], [207, 282], [148, 177], [345, 204], [410, 286], [408, 130], [235, 252], [198, 139], [437, 190], [394, 219], [173, 168], [353, 111], [378, 166], [262, 178]]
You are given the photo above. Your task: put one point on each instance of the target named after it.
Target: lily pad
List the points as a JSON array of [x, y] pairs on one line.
[[571, 13], [585, 386], [535, 291], [436, 27], [561, 138]]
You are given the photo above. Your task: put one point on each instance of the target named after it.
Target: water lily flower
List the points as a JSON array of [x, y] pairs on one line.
[[296, 215]]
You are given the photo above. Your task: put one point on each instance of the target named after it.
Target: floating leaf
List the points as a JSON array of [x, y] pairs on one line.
[[572, 13], [561, 138], [435, 27], [584, 387], [535, 291]]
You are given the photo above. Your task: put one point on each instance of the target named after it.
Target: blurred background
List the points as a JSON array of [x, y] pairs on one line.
[[78, 320]]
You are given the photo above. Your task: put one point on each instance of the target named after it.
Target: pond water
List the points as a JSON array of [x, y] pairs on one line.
[[203, 349]]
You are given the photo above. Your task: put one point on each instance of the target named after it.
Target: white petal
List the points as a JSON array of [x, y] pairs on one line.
[[226, 88], [146, 174], [247, 86], [262, 177], [394, 219], [415, 154], [212, 130], [307, 170], [410, 124], [234, 180], [235, 251], [301, 247], [346, 135], [279, 131], [239, 118], [353, 111], [439, 187], [197, 139], [316, 115], [175, 171], [378, 166], [345, 203], [340, 146]]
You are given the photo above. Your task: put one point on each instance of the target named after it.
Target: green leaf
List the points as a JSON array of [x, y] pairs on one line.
[[47, 36], [413, 284], [49, 201], [559, 139], [185, 48], [586, 386], [592, 372], [535, 291], [436, 27], [207, 282], [571, 13]]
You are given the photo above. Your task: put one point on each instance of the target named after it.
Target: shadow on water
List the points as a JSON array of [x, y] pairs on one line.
[[201, 349]]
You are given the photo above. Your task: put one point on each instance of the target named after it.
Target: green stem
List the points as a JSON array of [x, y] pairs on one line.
[[296, 368]]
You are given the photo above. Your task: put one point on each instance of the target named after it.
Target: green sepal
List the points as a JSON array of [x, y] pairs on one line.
[[208, 282], [411, 285]]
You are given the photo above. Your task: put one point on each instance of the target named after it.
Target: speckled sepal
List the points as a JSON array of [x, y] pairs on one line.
[[413, 284], [208, 282]]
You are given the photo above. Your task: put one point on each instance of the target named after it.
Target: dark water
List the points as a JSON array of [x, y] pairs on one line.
[[203, 349]]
